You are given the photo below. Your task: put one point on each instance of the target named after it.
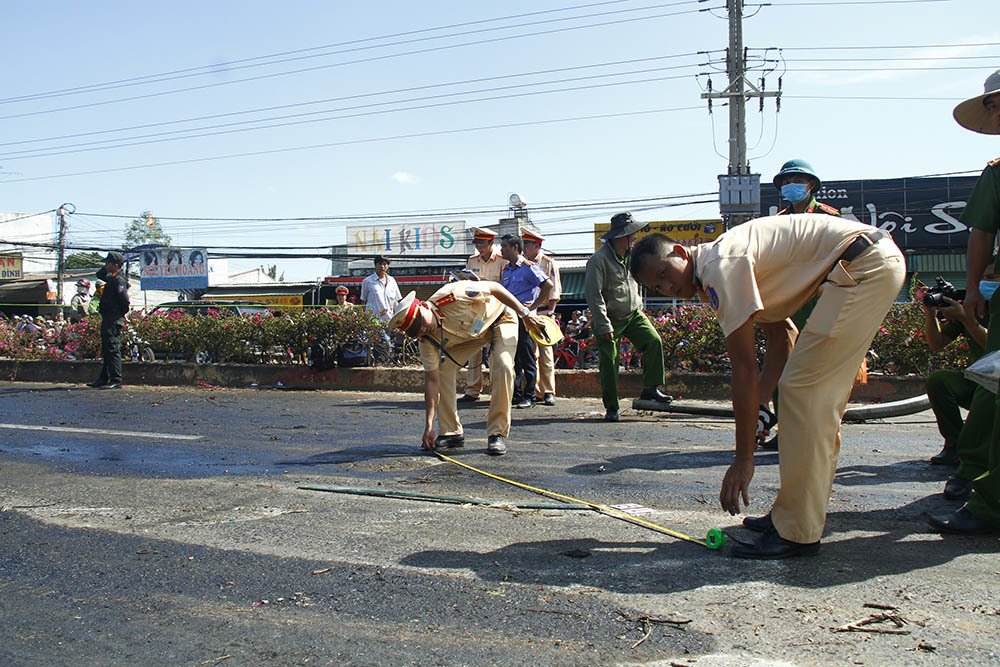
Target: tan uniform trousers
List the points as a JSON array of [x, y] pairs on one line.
[[474, 378], [546, 383], [817, 381], [504, 338]]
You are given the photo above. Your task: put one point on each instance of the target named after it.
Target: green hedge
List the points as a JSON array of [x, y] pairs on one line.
[[692, 339]]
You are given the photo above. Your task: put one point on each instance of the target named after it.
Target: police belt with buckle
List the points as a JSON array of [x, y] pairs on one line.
[[862, 243]]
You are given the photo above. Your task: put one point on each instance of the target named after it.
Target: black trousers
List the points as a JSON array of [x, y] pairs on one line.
[[525, 369], [111, 351]]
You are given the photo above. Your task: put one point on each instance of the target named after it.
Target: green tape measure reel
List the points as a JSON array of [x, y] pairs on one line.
[[715, 538]]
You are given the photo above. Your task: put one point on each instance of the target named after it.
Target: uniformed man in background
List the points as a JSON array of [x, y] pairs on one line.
[[487, 264], [798, 183], [545, 385]]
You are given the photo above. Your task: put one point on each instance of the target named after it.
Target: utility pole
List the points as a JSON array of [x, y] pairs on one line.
[[739, 190], [61, 213]]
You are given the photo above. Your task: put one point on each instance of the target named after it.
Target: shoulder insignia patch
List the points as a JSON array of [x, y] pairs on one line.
[[993, 163], [443, 301], [826, 208]]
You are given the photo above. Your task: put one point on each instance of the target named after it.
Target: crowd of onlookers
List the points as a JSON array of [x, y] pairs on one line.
[[576, 349]]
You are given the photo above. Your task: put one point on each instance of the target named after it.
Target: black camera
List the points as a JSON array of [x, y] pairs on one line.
[[934, 296]]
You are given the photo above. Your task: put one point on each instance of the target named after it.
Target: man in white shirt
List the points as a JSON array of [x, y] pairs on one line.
[[380, 293], [379, 290]]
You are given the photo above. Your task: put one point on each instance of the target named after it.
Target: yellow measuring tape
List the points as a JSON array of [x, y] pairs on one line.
[[713, 540]]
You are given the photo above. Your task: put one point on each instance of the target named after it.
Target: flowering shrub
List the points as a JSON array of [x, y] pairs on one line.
[[692, 339], [249, 339], [54, 341]]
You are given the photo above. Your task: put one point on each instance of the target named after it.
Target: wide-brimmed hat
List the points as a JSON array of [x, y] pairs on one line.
[[550, 334], [532, 236], [482, 234], [115, 258], [623, 224], [972, 115], [406, 313]]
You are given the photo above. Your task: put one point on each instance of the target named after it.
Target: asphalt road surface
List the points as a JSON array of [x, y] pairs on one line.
[[166, 526]]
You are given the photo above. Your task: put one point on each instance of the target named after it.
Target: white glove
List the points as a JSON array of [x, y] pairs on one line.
[[765, 422]]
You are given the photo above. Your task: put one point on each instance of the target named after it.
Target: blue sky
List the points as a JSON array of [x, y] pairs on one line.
[[649, 135]]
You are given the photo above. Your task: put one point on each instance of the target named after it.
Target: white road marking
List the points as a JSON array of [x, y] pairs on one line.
[[101, 431]]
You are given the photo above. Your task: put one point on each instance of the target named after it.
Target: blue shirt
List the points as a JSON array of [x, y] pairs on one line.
[[523, 280]]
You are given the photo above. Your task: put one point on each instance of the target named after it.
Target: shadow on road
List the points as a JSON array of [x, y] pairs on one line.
[[653, 567]]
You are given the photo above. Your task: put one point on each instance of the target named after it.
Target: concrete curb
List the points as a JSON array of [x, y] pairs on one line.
[[569, 383]]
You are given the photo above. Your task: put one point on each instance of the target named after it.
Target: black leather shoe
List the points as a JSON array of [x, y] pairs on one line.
[[612, 416], [771, 444], [946, 457], [111, 385], [957, 488], [654, 394], [449, 441], [758, 524], [96, 384], [771, 546], [467, 399], [495, 445], [961, 522]]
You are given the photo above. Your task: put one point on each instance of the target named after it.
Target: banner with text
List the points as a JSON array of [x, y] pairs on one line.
[[920, 213], [685, 232], [11, 267], [173, 269], [411, 239]]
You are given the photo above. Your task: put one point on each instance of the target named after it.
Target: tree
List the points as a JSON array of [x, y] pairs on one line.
[[272, 272], [84, 260], [145, 229]]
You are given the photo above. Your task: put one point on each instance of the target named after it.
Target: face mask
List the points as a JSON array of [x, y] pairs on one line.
[[794, 192], [987, 288]]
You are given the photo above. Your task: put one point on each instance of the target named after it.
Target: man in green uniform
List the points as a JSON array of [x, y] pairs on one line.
[[981, 514], [948, 390], [798, 183], [613, 299]]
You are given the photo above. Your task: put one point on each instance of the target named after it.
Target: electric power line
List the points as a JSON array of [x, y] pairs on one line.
[[350, 142], [194, 133], [351, 62]]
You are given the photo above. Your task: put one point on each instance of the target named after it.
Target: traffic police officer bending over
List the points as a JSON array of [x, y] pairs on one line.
[[454, 323], [761, 272]]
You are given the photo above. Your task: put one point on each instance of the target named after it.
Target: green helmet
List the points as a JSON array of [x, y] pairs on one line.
[[796, 167]]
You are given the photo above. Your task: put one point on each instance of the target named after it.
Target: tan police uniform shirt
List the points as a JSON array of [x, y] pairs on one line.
[[551, 269], [490, 269], [465, 311], [768, 268]]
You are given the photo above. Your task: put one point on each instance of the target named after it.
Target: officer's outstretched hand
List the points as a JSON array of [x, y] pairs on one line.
[[428, 440], [736, 485]]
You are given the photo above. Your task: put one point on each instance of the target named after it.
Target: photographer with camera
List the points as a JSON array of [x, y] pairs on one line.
[[946, 319]]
